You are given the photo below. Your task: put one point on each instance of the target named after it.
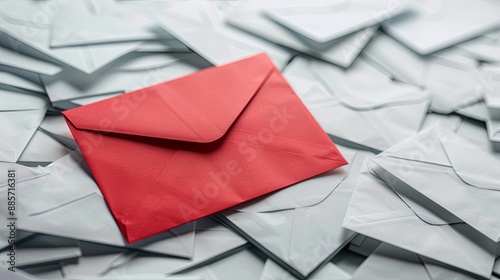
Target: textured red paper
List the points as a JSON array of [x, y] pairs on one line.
[[175, 152]]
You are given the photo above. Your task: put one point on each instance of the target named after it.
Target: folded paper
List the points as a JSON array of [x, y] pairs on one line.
[[199, 144]]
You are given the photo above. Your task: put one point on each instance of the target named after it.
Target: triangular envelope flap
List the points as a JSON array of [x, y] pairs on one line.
[[197, 108], [374, 92], [474, 166]]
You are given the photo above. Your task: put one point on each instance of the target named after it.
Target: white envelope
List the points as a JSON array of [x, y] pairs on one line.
[[326, 20], [342, 51], [200, 26], [26, 27], [375, 113], [401, 220], [88, 22], [329, 271], [18, 60], [20, 115], [71, 205], [300, 227], [212, 242], [450, 171], [244, 265], [453, 82], [135, 71], [435, 25], [392, 263]]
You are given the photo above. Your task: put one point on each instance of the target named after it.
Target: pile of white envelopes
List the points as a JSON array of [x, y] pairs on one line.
[[409, 91]]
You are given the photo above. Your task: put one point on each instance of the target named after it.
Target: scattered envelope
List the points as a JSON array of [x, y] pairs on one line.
[[300, 227], [435, 25], [212, 242], [20, 114], [201, 27], [130, 73], [325, 20], [21, 61], [89, 22], [249, 17], [329, 271], [32, 37], [214, 135], [401, 220], [377, 113], [392, 263], [453, 83], [69, 204], [464, 183]]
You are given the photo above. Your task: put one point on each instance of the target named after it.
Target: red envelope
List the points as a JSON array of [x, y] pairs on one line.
[[175, 152]]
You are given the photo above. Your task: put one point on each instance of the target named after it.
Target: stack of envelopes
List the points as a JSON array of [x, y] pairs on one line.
[[251, 140]]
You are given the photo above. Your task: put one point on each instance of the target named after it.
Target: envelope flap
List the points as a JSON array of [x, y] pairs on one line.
[[475, 167], [197, 108]]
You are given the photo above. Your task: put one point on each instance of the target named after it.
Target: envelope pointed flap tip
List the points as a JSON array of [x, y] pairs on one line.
[[196, 108]]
